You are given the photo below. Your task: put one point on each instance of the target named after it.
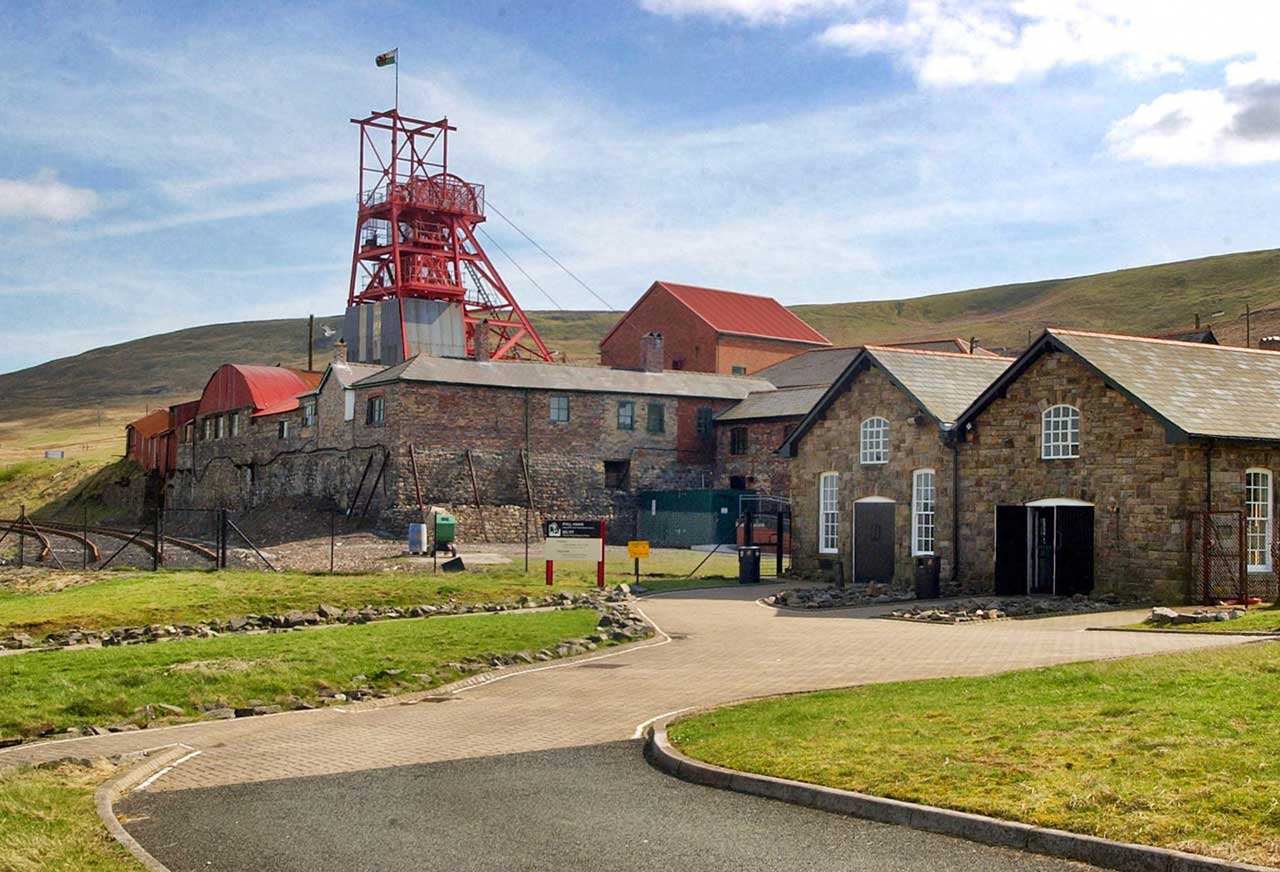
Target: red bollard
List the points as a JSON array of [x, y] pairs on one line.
[[551, 572], [600, 565]]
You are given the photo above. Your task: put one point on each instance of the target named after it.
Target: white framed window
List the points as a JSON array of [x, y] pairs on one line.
[[923, 500], [235, 423], [1060, 432], [829, 513], [219, 427], [559, 409], [348, 404], [282, 430], [873, 441], [308, 413], [1257, 504], [208, 429]]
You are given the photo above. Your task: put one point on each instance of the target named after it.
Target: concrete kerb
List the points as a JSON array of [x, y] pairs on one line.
[[107, 794], [1105, 853]]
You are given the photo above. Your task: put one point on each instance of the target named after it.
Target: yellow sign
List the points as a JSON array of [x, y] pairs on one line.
[[638, 548]]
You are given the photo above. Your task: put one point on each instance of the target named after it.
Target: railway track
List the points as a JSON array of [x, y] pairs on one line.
[[44, 529]]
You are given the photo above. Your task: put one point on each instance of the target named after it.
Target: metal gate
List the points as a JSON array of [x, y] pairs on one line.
[[1216, 547], [765, 522]]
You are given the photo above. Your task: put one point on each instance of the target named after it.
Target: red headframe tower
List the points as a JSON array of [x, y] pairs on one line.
[[420, 281]]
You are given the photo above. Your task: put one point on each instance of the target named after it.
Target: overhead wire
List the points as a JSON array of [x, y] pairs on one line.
[[516, 264], [550, 256]]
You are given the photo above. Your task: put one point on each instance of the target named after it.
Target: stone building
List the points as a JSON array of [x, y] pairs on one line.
[[1084, 465], [872, 477], [709, 330], [749, 435], [500, 444]]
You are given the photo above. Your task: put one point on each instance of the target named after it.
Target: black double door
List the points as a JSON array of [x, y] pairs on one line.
[[1044, 550], [873, 542]]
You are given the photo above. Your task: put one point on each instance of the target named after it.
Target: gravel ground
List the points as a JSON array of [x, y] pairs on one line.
[[587, 808]]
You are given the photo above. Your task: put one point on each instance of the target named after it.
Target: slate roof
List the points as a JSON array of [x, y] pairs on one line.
[[558, 377], [821, 366], [735, 313], [1197, 390], [784, 403], [942, 383], [348, 373]]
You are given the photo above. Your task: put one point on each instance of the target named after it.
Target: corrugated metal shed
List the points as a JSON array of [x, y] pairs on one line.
[[785, 403], [556, 377], [265, 389]]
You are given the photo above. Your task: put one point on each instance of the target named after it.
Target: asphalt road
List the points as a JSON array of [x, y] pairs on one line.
[[599, 807]]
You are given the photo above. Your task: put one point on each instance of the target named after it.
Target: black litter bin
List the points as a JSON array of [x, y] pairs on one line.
[[749, 565]]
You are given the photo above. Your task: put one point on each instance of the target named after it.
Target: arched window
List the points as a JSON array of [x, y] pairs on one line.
[[873, 442], [923, 499], [1257, 505], [829, 513], [1060, 432]]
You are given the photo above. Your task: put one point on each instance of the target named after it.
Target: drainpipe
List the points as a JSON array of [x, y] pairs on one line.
[[1208, 475], [955, 509]]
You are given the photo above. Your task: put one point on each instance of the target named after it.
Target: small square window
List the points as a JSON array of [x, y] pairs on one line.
[[657, 418], [738, 440], [375, 411], [560, 409], [739, 370], [626, 415]]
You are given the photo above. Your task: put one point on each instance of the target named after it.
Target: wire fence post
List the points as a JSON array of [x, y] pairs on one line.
[[222, 538], [22, 536], [84, 544], [155, 539], [333, 535]]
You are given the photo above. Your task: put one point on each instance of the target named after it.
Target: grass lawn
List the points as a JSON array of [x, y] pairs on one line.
[[62, 689], [113, 599], [1261, 619], [48, 823], [1180, 750]]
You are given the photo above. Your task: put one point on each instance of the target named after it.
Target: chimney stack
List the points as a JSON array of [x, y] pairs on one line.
[[340, 351], [480, 341], [651, 352], [1269, 343]]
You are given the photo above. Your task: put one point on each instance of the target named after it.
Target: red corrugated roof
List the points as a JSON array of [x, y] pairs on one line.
[[738, 314], [265, 389], [152, 424], [745, 314]]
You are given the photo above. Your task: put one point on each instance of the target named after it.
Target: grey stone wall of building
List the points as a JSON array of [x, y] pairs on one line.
[[832, 445], [1142, 486], [760, 466]]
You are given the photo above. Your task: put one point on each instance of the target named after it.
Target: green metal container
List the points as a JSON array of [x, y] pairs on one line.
[[446, 529]]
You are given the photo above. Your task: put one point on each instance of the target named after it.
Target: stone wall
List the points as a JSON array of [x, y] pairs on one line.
[[1141, 485], [833, 446], [760, 467]]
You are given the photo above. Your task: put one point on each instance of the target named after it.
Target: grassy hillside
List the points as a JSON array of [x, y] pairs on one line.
[[80, 403], [1151, 299]]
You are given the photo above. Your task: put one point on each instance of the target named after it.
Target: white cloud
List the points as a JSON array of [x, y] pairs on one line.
[[957, 42], [43, 197], [750, 11], [1236, 124]]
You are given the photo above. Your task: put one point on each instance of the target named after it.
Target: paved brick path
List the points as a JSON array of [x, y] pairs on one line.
[[723, 646]]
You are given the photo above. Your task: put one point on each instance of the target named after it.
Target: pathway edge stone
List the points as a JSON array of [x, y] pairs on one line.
[[977, 828], [107, 793]]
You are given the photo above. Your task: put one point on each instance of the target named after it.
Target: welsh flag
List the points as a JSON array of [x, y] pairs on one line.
[[387, 58]]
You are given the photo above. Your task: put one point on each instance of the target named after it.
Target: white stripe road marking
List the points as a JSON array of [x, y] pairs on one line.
[[639, 733], [166, 770]]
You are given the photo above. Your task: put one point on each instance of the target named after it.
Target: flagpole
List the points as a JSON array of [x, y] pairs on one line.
[[397, 66]]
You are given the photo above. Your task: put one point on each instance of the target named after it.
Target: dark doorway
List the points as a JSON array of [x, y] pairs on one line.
[[1046, 550], [1011, 550], [873, 542], [1043, 537], [1074, 570]]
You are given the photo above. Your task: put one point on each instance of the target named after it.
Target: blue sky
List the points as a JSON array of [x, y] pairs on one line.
[[186, 163]]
